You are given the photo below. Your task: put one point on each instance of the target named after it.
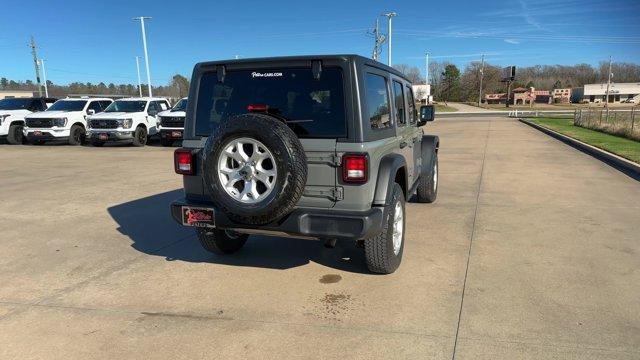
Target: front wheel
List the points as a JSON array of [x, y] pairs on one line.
[[383, 252], [428, 183], [221, 242], [15, 136], [140, 136], [77, 135]]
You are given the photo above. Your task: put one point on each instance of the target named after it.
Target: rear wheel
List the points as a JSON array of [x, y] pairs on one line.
[[383, 252], [428, 183], [221, 241], [140, 136], [76, 135], [15, 136]]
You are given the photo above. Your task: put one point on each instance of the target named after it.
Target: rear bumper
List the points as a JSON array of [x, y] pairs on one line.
[[302, 222]]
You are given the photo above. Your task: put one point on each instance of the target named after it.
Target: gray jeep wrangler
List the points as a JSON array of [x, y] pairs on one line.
[[321, 147]]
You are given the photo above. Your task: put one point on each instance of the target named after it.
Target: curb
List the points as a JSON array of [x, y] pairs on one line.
[[617, 161]]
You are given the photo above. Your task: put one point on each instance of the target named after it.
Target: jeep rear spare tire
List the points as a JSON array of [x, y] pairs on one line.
[[254, 168]]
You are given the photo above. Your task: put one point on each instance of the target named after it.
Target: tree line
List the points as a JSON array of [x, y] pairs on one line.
[[178, 87], [448, 83]]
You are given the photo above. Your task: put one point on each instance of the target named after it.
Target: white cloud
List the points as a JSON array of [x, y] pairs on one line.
[[512, 41]]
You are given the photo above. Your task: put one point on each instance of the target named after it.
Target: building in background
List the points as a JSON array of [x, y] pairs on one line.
[[596, 93], [561, 96], [524, 96], [422, 93], [500, 98], [8, 94]]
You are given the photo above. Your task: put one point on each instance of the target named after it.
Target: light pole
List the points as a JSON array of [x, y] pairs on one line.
[[426, 68], [481, 76], [389, 15], [138, 68], [44, 77], [146, 55]]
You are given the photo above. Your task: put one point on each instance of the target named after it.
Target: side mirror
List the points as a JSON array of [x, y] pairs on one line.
[[91, 112], [427, 113]]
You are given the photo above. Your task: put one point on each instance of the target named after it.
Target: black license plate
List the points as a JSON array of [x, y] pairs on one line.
[[37, 133], [103, 136], [198, 217]]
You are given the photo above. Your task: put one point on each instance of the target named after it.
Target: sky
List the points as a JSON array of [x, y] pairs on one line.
[[97, 41]]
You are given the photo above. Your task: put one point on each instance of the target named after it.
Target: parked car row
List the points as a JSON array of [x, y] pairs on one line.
[[94, 120]]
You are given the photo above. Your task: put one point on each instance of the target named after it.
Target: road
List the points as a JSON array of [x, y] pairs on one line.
[[530, 252], [469, 108]]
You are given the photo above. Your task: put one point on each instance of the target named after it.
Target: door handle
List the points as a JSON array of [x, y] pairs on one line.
[[403, 145]]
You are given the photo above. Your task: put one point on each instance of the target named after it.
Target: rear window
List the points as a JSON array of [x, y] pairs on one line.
[[312, 108]]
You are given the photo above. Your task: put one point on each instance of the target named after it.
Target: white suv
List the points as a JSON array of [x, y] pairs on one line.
[[172, 123], [65, 120], [12, 113], [131, 119]]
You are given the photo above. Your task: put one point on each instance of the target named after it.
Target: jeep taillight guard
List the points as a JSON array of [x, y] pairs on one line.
[[355, 168], [184, 161]]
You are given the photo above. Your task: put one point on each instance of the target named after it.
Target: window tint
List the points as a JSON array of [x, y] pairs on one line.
[[399, 102], [377, 97], [311, 108], [95, 106], [413, 115], [37, 105], [105, 103]]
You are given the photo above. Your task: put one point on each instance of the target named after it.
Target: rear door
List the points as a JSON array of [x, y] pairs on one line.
[[404, 131]]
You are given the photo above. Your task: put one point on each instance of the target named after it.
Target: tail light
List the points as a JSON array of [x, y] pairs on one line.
[[184, 162], [257, 108], [355, 168]]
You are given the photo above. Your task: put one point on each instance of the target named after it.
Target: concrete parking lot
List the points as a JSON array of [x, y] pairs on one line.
[[531, 251]]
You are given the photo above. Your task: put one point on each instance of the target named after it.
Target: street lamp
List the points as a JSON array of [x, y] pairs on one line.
[[44, 77], [146, 55], [389, 15], [138, 68]]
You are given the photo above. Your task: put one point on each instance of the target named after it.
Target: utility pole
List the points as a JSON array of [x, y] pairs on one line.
[[606, 102], [44, 78], [35, 62], [138, 68], [378, 40], [389, 16], [146, 54], [481, 76]]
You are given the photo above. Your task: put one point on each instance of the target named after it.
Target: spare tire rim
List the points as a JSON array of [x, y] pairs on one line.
[[247, 170], [398, 227]]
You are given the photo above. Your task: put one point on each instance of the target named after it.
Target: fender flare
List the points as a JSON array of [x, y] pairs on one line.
[[389, 166], [430, 146], [17, 122]]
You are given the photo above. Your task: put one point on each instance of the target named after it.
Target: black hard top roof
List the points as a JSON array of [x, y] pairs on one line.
[[349, 57]]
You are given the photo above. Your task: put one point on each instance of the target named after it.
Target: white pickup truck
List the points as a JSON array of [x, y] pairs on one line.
[[172, 123], [65, 120], [131, 119], [12, 113]]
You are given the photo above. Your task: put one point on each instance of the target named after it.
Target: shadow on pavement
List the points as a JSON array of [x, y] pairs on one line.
[[152, 230]]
